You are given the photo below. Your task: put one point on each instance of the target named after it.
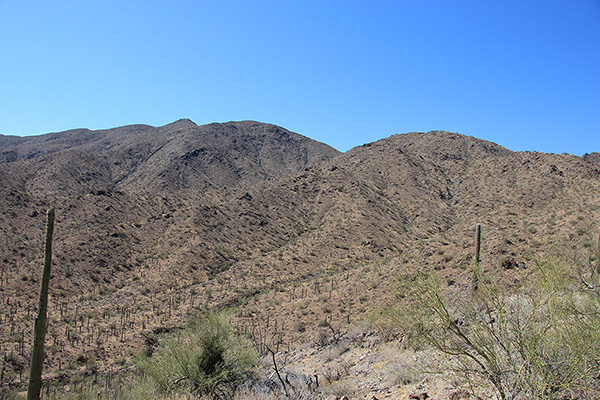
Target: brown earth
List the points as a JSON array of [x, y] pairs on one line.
[[156, 224]]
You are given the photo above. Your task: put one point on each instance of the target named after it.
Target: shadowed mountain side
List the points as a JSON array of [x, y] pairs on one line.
[[180, 155]]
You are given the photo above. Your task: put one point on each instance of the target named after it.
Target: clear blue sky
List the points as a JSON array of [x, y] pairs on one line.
[[522, 73]]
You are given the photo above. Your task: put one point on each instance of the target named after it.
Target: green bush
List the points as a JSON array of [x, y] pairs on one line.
[[540, 341], [206, 359]]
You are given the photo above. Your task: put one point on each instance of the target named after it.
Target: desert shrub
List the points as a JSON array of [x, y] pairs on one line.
[[206, 359], [540, 341]]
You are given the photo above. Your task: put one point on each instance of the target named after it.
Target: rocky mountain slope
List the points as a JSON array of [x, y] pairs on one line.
[[144, 159], [157, 223]]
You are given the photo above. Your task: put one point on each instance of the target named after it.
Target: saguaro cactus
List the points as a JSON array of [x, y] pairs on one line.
[[477, 242], [598, 246], [37, 354], [476, 269]]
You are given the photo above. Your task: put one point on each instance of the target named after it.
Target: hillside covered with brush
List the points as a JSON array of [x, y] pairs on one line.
[[155, 224]]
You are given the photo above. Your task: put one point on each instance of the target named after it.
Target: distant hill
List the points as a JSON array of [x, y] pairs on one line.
[[164, 221], [181, 155]]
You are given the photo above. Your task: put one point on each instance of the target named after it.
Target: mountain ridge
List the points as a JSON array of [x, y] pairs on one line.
[[153, 158]]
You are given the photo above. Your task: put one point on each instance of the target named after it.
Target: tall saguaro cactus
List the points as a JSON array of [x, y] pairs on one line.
[[476, 268], [37, 354], [477, 242]]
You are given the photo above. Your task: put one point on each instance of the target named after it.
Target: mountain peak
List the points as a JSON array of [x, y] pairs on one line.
[[184, 122]]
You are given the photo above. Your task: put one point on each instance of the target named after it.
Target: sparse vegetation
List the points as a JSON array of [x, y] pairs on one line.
[[538, 341]]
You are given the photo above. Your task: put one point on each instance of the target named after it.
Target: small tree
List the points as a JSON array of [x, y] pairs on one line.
[[539, 341]]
